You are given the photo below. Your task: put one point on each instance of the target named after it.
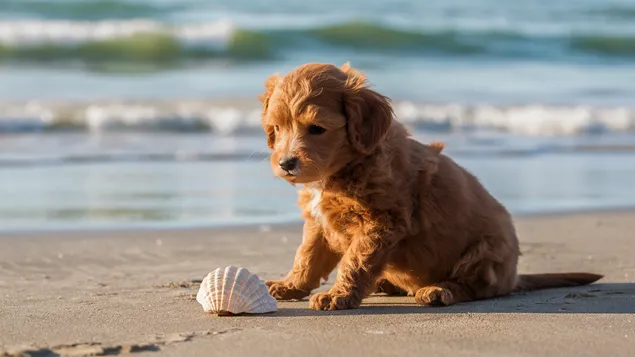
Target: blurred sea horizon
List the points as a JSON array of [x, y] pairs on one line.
[[563, 52], [122, 111]]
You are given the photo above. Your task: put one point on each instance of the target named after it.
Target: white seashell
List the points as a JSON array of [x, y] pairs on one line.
[[232, 291]]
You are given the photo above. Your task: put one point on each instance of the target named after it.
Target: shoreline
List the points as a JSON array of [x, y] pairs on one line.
[[85, 293], [267, 224]]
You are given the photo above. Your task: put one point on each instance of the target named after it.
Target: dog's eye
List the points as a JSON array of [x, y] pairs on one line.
[[276, 128], [316, 130]]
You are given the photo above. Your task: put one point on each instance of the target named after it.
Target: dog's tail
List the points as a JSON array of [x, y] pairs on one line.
[[527, 282]]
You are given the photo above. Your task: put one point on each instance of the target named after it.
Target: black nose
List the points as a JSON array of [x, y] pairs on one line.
[[288, 163]]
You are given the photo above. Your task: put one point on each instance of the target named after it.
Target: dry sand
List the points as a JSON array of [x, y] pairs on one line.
[[120, 292]]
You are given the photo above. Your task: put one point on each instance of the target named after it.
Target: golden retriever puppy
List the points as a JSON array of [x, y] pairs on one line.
[[392, 212]]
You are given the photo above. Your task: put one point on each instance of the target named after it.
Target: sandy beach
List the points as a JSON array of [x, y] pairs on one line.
[[133, 162], [119, 292]]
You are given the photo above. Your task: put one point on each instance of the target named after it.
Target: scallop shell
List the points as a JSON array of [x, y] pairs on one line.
[[232, 291]]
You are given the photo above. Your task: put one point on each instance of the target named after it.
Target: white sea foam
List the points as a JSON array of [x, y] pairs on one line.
[[63, 32], [522, 119], [530, 120]]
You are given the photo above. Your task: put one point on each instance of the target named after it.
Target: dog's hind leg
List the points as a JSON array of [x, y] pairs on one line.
[[481, 273], [444, 294]]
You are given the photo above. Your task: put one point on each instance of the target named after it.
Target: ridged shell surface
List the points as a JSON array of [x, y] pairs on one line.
[[234, 290]]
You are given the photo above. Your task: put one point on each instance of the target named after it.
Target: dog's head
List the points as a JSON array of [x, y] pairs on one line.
[[318, 118]]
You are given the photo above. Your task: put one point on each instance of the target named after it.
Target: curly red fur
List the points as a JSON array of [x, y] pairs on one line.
[[391, 211]]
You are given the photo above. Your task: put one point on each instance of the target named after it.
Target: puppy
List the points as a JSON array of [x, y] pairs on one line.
[[394, 213]]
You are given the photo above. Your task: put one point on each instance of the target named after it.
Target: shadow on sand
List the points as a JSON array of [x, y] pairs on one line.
[[618, 298]]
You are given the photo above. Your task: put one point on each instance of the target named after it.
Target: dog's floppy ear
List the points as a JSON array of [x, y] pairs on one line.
[[270, 85], [369, 113]]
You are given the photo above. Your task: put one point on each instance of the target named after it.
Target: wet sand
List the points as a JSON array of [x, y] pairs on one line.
[[132, 292]]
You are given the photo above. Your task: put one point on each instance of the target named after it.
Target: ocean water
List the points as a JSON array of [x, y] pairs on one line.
[[144, 112]]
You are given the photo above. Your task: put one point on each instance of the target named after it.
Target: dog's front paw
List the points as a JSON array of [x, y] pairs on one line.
[[282, 290], [328, 301]]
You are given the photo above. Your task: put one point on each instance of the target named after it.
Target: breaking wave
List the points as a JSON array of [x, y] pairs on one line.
[[200, 116], [154, 42]]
